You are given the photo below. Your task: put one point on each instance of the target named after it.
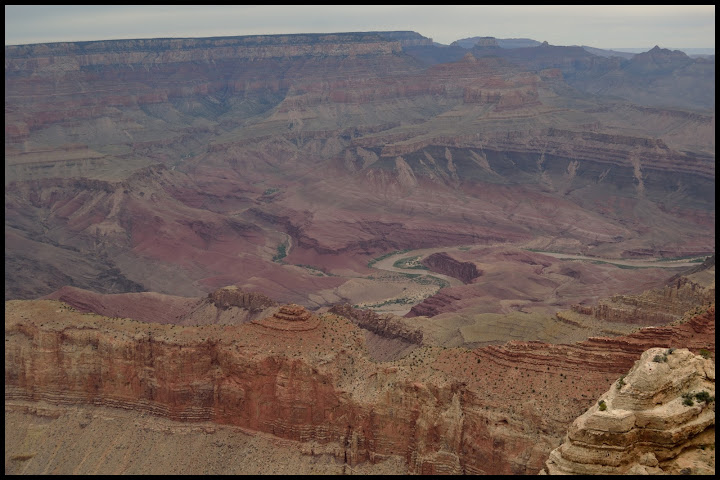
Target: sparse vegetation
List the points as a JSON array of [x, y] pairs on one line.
[[704, 396], [602, 405], [316, 271], [431, 280], [383, 257], [347, 178], [281, 253], [410, 263], [393, 301], [410, 275], [704, 353], [689, 259]]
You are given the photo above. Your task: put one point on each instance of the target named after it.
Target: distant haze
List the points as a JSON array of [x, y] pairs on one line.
[[689, 51], [602, 26]]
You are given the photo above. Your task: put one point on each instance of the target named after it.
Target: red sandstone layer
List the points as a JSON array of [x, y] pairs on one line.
[[494, 410]]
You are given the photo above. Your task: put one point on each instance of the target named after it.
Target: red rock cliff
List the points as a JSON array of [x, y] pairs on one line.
[[495, 410], [443, 263]]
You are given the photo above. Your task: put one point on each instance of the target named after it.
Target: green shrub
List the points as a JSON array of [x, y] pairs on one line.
[[621, 382], [704, 396], [705, 353], [602, 405], [382, 257]]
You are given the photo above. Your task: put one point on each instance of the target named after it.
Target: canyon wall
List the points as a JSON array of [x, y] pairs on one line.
[[308, 378], [653, 307], [144, 165]]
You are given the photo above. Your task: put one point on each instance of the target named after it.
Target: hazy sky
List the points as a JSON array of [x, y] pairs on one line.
[[602, 26]]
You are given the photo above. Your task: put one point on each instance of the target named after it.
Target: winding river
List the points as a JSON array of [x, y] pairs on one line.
[[388, 262]]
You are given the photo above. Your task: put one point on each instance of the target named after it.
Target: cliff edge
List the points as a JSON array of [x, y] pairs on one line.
[[657, 419]]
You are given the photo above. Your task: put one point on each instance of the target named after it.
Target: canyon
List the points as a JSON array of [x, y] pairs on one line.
[[355, 253], [310, 379], [182, 166], [342, 390]]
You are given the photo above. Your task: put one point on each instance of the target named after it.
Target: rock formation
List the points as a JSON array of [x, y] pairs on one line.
[[657, 419], [383, 325], [386, 336], [660, 306], [655, 307], [229, 297], [309, 378], [443, 263], [435, 304], [290, 318], [487, 42]]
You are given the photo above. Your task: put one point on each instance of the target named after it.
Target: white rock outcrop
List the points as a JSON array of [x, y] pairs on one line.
[[658, 419]]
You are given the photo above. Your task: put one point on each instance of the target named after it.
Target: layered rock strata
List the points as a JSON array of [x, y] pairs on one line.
[[229, 297], [147, 165], [437, 409], [142, 306], [652, 421], [290, 318], [385, 325], [434, 304], [56, 66], [653, 307]]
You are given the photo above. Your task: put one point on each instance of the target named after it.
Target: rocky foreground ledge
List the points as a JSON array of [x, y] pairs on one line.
[[657, 419], [307, 380]]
